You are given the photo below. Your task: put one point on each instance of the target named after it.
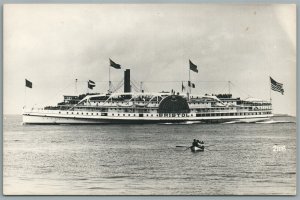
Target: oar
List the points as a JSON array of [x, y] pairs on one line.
[[213, 149], [188, 148], [210, 145]]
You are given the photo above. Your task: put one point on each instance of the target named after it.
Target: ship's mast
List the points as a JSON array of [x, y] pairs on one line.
[[25, 98], [189, 83], [76, 86], [109, 83], [270, 86], [87, 89], [141, 86], [193, 67]]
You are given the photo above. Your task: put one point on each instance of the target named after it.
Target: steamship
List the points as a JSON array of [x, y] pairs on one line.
[[149, 107]]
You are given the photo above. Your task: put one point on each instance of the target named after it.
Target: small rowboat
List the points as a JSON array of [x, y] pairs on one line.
[[194, 148]]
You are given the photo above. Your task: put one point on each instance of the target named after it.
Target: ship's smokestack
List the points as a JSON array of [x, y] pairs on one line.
[[127, 87]]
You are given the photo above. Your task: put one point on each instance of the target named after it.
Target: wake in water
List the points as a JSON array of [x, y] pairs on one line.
[[271, 121], [274, 122], [258, 122]]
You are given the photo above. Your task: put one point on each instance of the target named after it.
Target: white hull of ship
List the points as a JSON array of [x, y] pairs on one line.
[[56, 119]]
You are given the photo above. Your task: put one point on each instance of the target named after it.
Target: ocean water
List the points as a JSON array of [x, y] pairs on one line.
[[240, 159]]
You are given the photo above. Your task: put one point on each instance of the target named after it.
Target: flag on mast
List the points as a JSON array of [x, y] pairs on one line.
[[114, 65], [193, 67], [182, 87], [91, 84], [190, 84], [28, 83], [278, 87]]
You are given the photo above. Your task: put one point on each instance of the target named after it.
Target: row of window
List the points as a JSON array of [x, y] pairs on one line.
[[103, 114], [122, 102], [213, 109], [194, 103], [227, 108], [200, 103], [132, 115], [133, 110], [152, 115], [232, 114], [257, 104], [82, 113]]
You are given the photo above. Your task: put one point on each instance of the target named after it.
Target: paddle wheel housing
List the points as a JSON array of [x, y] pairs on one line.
[[174, 104]]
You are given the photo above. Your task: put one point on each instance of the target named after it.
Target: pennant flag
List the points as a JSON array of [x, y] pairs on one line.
[[190, 84], [193, 67], [114, 65], [182, 87], [278, 87], [91, 84], [28, 83]]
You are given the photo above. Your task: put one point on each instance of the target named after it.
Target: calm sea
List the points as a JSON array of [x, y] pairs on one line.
[[144, 160]]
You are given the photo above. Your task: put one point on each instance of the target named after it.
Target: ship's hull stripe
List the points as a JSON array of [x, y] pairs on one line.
[[44, 119]]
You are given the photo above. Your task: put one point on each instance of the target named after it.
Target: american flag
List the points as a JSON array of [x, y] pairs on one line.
[[193, 67], [276, 86]]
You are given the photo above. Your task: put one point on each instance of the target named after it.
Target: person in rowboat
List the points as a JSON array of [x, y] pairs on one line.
[[195, 143], [196, 146], [200, 144]]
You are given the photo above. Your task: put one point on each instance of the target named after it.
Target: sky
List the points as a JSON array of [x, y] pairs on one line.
[[52, 45]]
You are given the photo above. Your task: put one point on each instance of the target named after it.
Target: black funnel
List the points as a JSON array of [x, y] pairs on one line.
[[127, 87]]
